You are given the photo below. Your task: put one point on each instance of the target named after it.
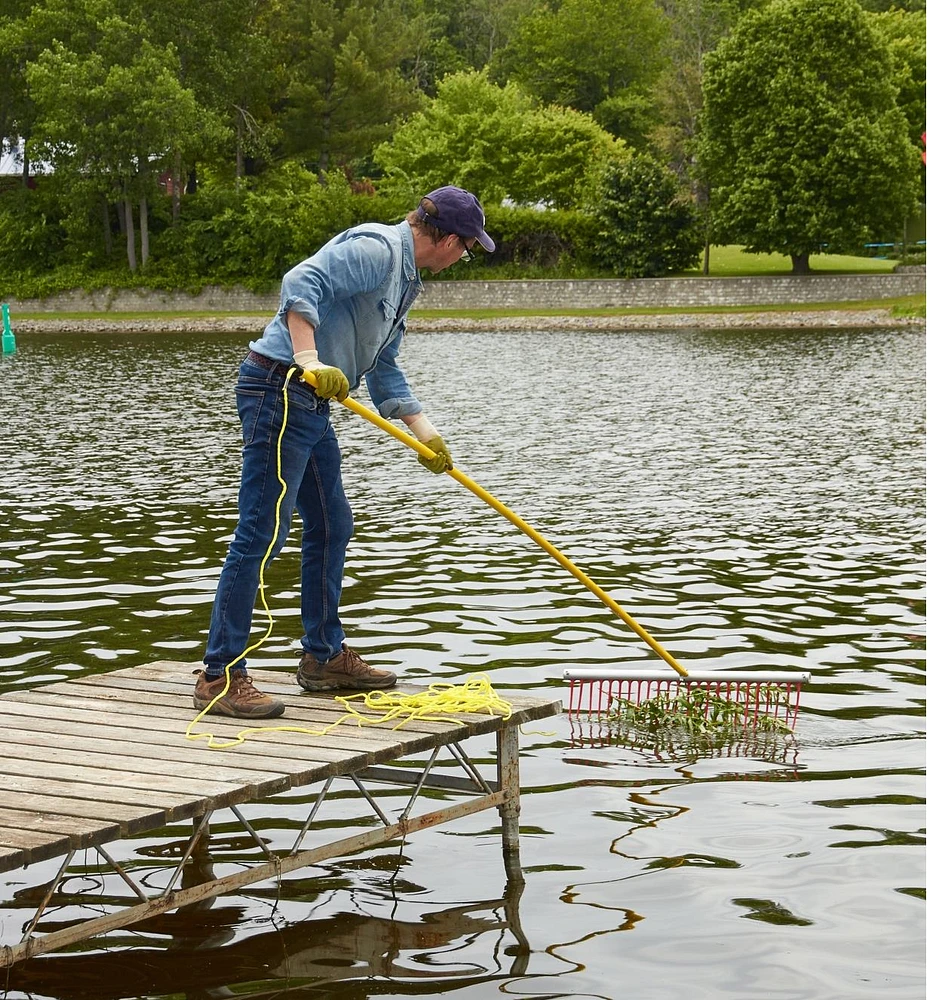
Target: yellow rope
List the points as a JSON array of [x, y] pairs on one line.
[[439, 703]]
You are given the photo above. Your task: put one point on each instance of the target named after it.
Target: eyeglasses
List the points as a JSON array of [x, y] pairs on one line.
[[468, 255]]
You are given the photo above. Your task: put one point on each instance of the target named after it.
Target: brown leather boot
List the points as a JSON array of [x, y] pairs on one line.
[[344, 672], [242, 700]]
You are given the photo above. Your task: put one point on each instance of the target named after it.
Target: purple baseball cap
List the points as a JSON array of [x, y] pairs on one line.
[[460, 213]]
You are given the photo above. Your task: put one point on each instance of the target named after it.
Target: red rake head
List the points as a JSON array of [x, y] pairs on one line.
[[711, 698]]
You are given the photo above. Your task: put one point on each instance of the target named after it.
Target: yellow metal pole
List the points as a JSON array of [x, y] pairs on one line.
[[488, 498]]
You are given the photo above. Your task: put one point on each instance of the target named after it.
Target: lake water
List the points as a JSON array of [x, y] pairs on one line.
[[754, 498]]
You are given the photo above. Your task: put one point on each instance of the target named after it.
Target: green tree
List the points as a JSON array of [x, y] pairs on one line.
[[802, 139], [498, 142], [478, 29], [598, 56], [346, 86], [647, 224], [905, 32], [111, 121], [229, 59], [20, 41], [696, 27]]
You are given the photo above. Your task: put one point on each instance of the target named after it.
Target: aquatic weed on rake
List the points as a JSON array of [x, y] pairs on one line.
[[711, 700]]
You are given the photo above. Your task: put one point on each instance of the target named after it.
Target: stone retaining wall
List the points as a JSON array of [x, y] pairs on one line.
[[666, 292], [541, 295]]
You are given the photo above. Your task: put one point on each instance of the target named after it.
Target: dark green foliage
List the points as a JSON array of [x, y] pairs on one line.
[[534, 243], [905, 32], [32, 238], [598, 56], [253, 238], [529, 236], [299, 119], [646, 226]]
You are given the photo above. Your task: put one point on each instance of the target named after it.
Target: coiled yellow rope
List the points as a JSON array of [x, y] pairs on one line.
[[439, 703]]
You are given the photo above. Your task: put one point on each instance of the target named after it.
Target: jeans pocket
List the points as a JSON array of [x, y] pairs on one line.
[[301, 397], [249, 402]]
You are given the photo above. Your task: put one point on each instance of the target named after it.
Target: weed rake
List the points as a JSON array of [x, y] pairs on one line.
[[754, 695]]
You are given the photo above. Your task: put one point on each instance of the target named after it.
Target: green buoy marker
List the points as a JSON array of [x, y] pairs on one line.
[[9, 338]]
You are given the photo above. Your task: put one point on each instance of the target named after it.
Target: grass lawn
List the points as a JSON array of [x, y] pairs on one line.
[[731, 261], [902, 305]]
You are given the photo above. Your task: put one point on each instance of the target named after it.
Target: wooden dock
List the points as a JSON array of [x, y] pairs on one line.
[[88, 762]]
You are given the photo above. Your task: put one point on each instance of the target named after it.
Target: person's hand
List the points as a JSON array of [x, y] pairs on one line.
[[330, 382], [442, 460], [426, 432]]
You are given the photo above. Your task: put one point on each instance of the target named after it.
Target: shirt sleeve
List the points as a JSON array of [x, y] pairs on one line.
[[387, 384], [337, 271]]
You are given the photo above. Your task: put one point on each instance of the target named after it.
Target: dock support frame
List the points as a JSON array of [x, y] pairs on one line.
[[502, 794]]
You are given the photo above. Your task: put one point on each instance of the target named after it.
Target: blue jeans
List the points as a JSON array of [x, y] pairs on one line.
[[311, 468]]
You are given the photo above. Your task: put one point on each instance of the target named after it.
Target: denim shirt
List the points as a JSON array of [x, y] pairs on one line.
[[355, 291]]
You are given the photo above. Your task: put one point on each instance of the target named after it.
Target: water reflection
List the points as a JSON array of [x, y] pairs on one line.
[[173, 954], [754, 498]]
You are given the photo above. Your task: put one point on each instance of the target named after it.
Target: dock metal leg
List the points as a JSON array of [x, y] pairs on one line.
[[509, 809]]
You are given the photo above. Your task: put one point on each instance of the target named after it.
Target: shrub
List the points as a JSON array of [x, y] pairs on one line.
[[32, 238], [646, 227]]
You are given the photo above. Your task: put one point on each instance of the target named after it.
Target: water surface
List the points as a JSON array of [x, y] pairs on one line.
[[755, 498]]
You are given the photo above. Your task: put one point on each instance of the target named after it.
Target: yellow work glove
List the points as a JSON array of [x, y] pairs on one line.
[[424, 430], [331, 382], [442, 460]]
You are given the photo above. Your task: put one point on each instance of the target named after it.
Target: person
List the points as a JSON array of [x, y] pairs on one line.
[[342, 316]]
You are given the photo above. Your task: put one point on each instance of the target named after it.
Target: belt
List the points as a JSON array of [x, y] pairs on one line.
[[262, 361]]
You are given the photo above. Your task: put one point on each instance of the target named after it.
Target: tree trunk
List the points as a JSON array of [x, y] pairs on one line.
[[191, 181], [703, 203], [175, 190], [800, 263], [25, 174], [325, 152], [107, 230], [239, 156], [143, 226], [130, 235]]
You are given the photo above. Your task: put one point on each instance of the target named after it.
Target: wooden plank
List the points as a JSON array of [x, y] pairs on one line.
[[321, 707], [174, 720], [104, 756], [278, 683], [101, 775], [259, 753], [129, 691], [56, 748], [287, 756], [139, 729], [19, 848], [131, 818], [175, 709], [77, 828], [127, 794], [188, 758]]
